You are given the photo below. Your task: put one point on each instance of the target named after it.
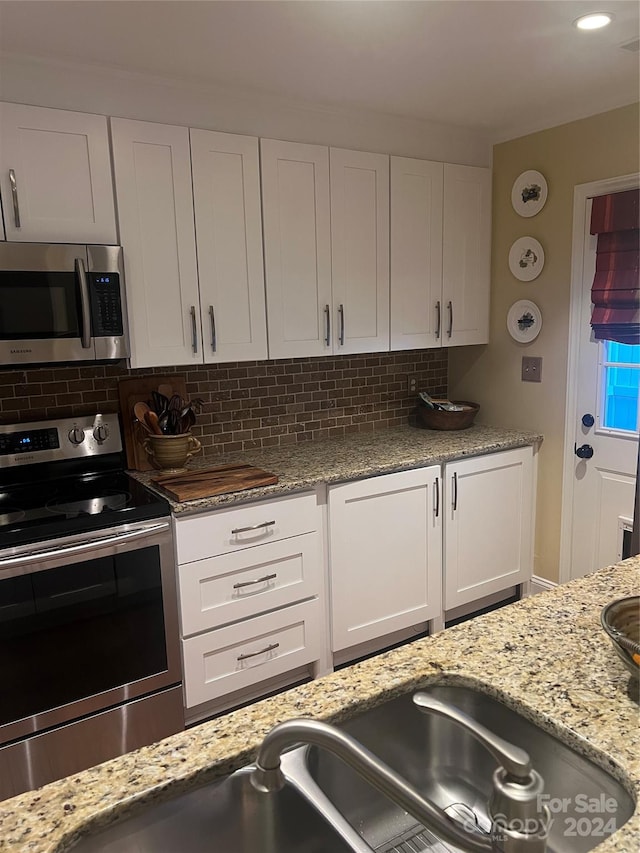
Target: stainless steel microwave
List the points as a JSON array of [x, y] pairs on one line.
[[61, 303]]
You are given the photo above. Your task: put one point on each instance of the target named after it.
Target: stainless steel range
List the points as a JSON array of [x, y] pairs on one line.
[[89, 649]]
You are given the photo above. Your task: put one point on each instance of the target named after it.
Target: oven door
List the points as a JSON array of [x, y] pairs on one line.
[[87, 622], [45, 308]]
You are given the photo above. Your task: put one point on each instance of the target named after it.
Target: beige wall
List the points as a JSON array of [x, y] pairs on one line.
[[603, 146]]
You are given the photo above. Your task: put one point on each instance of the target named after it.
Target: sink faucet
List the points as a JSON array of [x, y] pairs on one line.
[[519, 823]]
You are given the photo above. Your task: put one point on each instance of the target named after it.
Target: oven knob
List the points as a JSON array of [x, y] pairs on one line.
[[101, 433], [76, 435]]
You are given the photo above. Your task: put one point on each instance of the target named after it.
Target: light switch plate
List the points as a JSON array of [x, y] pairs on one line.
[[531, 368]]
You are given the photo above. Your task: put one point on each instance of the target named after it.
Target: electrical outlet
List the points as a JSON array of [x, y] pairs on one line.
[[531, 368], [412, 385]]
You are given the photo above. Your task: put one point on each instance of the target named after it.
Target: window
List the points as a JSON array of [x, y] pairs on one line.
[[620, 379]]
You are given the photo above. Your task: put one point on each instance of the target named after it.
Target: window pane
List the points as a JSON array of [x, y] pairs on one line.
[[621, 386]]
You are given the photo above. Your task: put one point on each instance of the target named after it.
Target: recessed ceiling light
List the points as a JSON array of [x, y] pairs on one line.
[[593, 21]]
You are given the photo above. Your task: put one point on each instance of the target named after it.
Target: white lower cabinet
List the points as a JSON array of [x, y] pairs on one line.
[[264, 602], [488, 524], [385, 551], [251, 597], [220, 662]]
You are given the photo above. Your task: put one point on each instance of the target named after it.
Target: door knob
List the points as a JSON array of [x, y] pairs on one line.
[[588, 420], [585, 451]]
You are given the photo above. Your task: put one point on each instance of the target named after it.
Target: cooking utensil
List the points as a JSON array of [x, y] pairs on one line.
[[165, 389], [159, 402], [153, 423], [621, 620], [140, 410]]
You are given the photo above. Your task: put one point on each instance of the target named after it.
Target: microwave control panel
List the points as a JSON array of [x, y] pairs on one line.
[[106, 304]]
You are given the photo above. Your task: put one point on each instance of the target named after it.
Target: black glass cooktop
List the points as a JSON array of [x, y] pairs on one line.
[[64, 505]]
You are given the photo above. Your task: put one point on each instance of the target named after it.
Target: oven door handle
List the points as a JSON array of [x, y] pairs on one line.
[[82, 547]]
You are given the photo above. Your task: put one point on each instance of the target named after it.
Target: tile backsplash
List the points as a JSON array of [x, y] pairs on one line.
[[247, 404]]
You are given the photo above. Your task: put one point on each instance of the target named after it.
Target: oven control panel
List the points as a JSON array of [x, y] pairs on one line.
[[67, 438]]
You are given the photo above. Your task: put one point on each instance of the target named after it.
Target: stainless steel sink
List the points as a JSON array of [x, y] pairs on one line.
[[227, 817], [436, 756], [453, 770]]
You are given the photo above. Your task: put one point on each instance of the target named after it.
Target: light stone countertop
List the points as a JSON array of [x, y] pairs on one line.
[[546, 656], [305, 464]]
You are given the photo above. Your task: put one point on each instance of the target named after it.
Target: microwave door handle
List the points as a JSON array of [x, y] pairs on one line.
[[81, 274]]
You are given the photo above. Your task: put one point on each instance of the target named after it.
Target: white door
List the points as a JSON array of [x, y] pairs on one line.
[[466, 255], [226, 194], [55, 176], [488, 525], [360, 250], [152, 167], [416, 253], [385, 547], [297, 247], [605, 437]]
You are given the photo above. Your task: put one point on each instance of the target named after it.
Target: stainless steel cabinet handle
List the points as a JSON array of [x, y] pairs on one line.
[[341, 317], [327, 318], [194, 329], [438, 312], [437, 506], [268, 648], [85, 305], [450, 310], [257, 580], [455, 492], [253, 527], [14, 198], [212, 318]]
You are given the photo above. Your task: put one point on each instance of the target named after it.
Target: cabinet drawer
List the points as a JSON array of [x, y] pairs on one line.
[[219, 590], [241, 655], [226, 530]]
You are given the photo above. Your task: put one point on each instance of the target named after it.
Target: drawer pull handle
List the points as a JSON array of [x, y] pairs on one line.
[[252, 527], [268, 648], [258, 580]]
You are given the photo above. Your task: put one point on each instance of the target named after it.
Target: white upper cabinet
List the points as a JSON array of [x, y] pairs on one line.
[[155, 213], [226, 194], [416, 253], [466, 255], [326, 237], [186, 308], [360, 250], [297, 247], [440, 254], [55, 176]]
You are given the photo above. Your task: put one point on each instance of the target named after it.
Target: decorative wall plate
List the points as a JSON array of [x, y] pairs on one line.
[[526, 259], [529, 193], [524, 321]]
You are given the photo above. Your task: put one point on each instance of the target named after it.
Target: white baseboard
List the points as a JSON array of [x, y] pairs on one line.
[[541, 585]]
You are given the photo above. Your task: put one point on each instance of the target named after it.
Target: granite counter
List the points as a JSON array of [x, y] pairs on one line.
[[306, 464], [546, 656]]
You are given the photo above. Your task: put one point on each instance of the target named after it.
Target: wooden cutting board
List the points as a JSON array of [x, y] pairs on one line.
[[132, 391], [207, 482]]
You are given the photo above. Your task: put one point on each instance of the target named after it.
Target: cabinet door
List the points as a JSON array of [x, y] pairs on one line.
[[488, 524], [226, 195], [360, 250], [466, 255], [297, 247], [416, 253], [155, 214], [385, 555], [55, 176]]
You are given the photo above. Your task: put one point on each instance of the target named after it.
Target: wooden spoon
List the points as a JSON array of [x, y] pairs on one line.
[[151, 420], [140, 411]]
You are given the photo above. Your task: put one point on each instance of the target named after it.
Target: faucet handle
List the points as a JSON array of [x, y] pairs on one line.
[[519, 821], [514, 760]]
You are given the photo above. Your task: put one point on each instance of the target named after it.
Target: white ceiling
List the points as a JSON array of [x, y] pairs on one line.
[[506, 67]]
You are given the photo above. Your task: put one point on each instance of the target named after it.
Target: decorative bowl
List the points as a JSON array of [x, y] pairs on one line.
[[439, 419], [621, 619]]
